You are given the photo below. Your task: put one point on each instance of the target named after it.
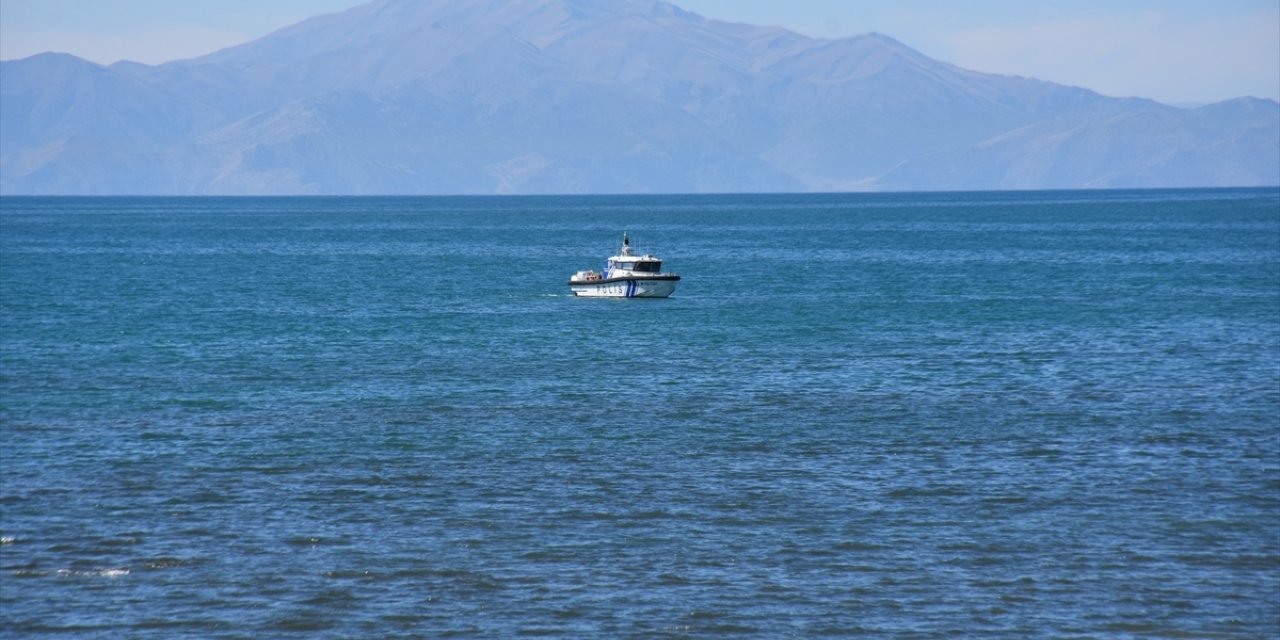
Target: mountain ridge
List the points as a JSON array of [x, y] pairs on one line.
[[590, 96]]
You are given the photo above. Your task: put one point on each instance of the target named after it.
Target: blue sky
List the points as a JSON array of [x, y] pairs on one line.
[[1177, 51]]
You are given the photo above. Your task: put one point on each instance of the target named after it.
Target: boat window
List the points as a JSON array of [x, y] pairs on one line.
[[627, 265], [649, 267]]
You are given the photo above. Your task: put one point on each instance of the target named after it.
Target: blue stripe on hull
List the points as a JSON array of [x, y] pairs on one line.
[[625, 289]]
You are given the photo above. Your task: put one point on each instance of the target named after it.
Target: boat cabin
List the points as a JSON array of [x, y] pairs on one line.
[[646, 264]]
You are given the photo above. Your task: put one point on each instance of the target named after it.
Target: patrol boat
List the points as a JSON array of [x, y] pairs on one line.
[[625, 275]]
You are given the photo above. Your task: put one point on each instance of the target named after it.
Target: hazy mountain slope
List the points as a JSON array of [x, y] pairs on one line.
[[544, 96], [53, 96], [1118, 145]]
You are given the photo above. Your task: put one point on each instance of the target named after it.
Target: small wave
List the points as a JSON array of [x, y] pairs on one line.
[[314, 541], [114, 572], [121, 542], [855, 545], [928, 491], [7, 539], [161, 563], [100, 572]]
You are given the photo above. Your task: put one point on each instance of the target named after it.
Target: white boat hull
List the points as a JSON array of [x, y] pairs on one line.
[[625, 288]]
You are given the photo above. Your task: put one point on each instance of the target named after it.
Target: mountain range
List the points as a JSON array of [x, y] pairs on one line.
[[590, 96]]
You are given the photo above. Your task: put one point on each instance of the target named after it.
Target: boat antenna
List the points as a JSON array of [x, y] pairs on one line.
[[626, 244]]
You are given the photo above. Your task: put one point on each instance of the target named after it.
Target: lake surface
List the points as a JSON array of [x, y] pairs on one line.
[[1012, 415]]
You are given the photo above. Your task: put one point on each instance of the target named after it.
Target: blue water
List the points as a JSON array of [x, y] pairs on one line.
[[1050, 414]]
